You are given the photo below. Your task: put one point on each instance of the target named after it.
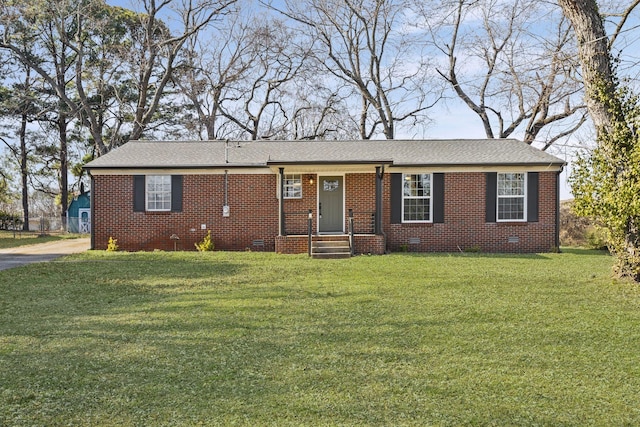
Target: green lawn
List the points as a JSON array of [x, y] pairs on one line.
[[144, 339], [9, 239]]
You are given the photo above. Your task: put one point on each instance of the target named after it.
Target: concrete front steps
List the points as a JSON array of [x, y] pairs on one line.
[[330, 247]]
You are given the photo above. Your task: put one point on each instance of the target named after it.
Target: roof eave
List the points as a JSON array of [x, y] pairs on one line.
[[145, 167], [476, 165], [328, 162]]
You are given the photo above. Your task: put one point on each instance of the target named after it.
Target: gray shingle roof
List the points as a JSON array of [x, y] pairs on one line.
[[211, 154]]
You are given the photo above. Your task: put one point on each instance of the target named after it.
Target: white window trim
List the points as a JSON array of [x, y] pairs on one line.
[[523, 196], [146, 194], [430, 220], [284, 186]]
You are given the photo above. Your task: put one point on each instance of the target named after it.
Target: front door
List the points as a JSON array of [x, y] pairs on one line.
[[84, 220], [331, 204]]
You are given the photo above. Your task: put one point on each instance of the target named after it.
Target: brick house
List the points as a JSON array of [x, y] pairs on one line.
[[496, 195]]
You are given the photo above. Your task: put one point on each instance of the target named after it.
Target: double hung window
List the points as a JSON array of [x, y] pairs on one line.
[[416, 198], [512, 196], [158, 192], [292, 186]]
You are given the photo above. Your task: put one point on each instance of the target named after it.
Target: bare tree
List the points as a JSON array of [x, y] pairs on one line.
[[150, 49], [618, 15], [317, 112], [236, 86], [365, 46], [270, 98], [251, 80], [211, 68], [516, 72]]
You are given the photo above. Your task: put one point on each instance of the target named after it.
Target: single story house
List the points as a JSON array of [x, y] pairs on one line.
[[495, 195]]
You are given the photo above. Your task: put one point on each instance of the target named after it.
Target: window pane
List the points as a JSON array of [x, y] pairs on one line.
[[417, 209], [417, 185], [510, 184], [511, 208]]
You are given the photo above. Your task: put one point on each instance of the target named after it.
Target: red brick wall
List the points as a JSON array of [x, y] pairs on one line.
[[297, 210], [292, 244], [361, 198], [254, 215], [464, 227]]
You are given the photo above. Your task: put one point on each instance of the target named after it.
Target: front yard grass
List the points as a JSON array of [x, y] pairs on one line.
[[263, 339]]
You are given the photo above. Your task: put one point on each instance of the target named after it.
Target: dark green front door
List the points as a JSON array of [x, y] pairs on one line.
[[331, 204]]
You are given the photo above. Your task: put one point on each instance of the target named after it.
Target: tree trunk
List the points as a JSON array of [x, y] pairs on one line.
[[64, 169], [605, 106], [595, 58], [24, 173]]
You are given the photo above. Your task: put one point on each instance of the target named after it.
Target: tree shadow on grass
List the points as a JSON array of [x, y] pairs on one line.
[[86, 337], [563, 250], [584, 251], [473, 255]]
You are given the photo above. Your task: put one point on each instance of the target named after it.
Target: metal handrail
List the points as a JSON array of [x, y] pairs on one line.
[[309, 230], [351, 231], [364, 222]]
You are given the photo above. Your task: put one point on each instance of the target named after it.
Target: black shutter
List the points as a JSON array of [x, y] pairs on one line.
[[396, 198], [491, 196], [532, 196], [438, 197], [176, 193], [138, 193]]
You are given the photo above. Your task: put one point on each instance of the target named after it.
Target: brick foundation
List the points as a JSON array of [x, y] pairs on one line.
[[364, 244]]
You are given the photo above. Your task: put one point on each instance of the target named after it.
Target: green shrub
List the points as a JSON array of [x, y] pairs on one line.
[[206, 245], [597, 237]]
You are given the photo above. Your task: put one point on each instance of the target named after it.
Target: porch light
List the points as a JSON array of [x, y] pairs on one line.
[[311, 179]]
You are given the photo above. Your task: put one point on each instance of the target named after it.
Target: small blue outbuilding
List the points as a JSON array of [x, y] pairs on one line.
[[79, 214]]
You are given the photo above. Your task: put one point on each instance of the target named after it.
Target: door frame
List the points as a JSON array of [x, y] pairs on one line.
[[344, 194]]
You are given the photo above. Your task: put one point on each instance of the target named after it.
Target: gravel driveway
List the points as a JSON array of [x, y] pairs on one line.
[[14, 257]]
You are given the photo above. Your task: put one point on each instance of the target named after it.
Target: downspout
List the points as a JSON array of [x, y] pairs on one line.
[[92, 198], [281, 231], [378, 223], [226, 187], [557, 236], [379, 204]]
